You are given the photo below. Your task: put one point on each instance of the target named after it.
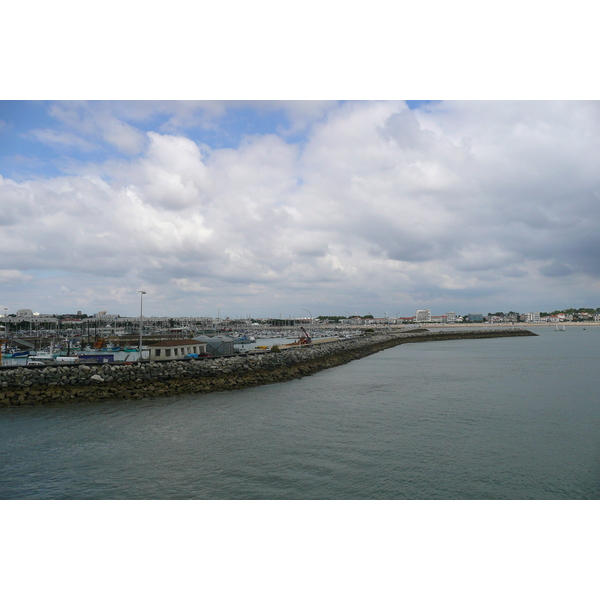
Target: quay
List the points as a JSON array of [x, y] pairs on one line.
[[50, 385]]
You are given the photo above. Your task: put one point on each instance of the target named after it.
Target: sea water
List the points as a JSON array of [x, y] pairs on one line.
[[505, 418]]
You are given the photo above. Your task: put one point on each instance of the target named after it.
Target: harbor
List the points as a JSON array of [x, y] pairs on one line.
[[49, 347], [24, 349], [73, 383]]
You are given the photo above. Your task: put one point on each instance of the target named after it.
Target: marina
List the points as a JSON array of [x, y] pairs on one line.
[[21, 349]]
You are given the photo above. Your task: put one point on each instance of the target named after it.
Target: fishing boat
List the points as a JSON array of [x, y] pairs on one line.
[[48, 355]]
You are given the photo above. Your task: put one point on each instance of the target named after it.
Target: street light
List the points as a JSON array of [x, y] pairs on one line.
[[5, 340], [141, 320]]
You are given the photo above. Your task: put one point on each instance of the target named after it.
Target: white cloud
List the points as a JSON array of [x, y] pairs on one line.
[[378, 207], [14, 276], [97, 119], [171, 174], [52, 137]]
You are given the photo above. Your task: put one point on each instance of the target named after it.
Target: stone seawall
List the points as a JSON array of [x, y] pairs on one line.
[[23, 386]]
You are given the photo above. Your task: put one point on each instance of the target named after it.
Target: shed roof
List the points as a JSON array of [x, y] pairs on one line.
[[172, 343]]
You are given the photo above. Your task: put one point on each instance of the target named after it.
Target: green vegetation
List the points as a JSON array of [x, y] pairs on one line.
[[575, 313], [275, 349]]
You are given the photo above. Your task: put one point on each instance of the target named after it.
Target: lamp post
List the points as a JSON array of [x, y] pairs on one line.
[[4, 342], [141, 320]]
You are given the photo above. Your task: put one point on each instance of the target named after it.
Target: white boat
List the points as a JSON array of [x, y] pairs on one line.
[[67, 359], [48, 356], [245, 339]]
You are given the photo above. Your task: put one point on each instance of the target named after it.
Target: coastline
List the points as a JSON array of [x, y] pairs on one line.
[[29, 386]]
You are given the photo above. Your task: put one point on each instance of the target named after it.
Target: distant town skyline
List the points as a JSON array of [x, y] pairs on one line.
[[419, 315], [267, 207]]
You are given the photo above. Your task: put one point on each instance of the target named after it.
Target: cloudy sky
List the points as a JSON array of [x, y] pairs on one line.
[[265, 208]]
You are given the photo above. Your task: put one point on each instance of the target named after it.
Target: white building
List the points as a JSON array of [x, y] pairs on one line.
[[423, 315], [102, 316], [175, 349]]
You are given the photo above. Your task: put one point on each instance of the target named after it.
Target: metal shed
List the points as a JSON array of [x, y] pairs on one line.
[[219, 345]]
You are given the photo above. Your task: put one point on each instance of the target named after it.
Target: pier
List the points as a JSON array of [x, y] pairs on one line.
[[47, 385]]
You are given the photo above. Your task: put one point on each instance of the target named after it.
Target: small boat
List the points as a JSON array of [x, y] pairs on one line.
[[244, 339], [45, 356], [67, 359]]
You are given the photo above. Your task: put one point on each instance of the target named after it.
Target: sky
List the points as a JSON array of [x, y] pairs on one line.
[[262, 208], [261, 160]]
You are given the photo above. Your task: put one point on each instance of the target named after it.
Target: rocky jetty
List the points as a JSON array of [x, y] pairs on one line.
[[23, 386]]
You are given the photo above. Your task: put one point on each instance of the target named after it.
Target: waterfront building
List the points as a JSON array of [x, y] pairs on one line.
[[103, 316], [438, 319], [352, 321], [175, 349], [423, 315], [450, 317], [475, 318]]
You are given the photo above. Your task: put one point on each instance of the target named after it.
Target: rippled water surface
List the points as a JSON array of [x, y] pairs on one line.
[[470, 419]]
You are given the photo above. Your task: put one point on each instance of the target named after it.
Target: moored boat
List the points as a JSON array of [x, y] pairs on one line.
[[244, 339]]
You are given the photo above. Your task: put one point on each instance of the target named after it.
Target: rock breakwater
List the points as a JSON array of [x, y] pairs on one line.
[[24, 386]]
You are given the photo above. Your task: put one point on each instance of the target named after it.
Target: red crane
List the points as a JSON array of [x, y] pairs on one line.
[[305, 339]]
